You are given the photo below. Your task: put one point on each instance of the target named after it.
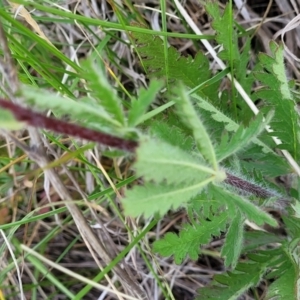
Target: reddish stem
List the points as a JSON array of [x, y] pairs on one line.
[[39, 120]]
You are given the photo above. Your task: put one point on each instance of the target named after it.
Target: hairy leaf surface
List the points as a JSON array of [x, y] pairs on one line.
[[159, 161], [102, 91], [153, 198], [251, 211], [189, 116], [139, 106], [232, 247], [242, 137]]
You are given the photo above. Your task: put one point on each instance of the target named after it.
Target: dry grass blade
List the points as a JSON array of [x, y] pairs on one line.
[[92, 242]]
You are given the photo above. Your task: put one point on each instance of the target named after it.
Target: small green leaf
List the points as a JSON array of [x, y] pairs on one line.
[[256, 239], [242, 137], [139, 106], [251, 211], [230, 125], [102, 91], [190, 239], [232, 247], [189, 116], [226, 36]]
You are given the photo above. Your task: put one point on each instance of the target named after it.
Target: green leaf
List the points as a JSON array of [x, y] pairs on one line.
[[269, 164], [276, 93], [151, 198], [286, 286], [248, 209], [242, 137], [230, 125], [256, 239], [85, 111], [102, 90], [8, 121], [233, 284], [191, 71], [286, 273], [159, 161], [190, 238], [172, 133], [232, 247], [225, 35], [189, 116], [139, 106]]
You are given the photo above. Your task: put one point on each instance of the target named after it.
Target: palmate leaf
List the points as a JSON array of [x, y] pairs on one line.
[[242, 137], [277, 94], [190, 238], [154, 198]]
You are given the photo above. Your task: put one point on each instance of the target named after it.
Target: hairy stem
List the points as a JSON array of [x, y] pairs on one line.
[[39, 120]]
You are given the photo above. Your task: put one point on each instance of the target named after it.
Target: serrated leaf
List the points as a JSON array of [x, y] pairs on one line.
[[286, 286], [232, 247], [62, 105], [286, 273], [225, 35], [251, 211], [269, 164], [230, 125], [159, 161], [276, 92], [102, 91], [151, 198], [172, 134], [191, 71], [8, 121], [139, 106], [189, 116], [190, 238], [242, 137], [256, 239], [232, 285]]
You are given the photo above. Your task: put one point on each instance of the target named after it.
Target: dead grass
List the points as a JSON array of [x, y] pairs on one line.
[[27, 187]]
